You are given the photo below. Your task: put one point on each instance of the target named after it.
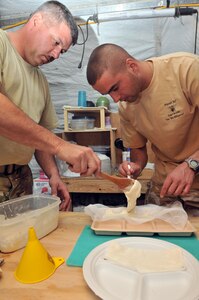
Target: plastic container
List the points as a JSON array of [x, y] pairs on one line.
[[90, 104], [105, 163], [90, 123], [82, 123], [78, 124], [103, 149], [82, 98], [108, 122], [18, 215], [126, 155]]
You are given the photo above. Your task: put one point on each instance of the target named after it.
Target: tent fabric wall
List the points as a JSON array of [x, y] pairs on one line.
[[143, 38]]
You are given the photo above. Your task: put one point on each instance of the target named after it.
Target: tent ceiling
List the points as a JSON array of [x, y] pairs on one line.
[[15, 11]]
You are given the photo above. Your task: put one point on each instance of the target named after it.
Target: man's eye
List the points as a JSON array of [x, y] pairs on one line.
[[63, 51], [115, 89]]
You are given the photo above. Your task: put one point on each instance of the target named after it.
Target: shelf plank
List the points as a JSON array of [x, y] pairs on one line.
[[78, 108], [91, 130]]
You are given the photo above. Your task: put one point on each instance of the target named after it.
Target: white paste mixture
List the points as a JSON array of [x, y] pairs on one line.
[[132, 192]]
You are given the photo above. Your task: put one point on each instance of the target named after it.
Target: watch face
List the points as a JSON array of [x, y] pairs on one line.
[[193, 164]]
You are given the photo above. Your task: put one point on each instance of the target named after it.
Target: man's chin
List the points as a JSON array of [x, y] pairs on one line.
[[130, 100], [134, 99]]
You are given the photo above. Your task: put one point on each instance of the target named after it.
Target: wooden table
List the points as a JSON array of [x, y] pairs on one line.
[[66, 283]]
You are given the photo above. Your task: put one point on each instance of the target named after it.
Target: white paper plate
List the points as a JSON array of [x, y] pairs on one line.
[[112, 282]]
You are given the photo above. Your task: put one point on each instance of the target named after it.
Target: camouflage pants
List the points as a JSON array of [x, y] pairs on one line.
[[17, 184], [191, 200]]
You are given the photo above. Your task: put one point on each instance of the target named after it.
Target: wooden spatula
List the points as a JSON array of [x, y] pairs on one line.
[[122, 182]]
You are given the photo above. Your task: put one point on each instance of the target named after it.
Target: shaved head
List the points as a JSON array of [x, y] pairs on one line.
[[106, 57]]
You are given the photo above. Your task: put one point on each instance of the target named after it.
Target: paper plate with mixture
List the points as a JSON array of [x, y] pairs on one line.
[[142, 268]]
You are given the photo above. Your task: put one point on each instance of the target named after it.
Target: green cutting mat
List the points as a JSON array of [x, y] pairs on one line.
[[88, 240]]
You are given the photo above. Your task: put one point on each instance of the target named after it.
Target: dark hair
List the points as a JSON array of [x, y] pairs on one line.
[[108, 56], [60, 13]]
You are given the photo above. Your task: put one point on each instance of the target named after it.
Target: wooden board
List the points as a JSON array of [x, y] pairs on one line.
[[96, 185]]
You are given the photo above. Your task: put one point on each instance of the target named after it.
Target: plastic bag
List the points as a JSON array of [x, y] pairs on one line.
[[174, 214]]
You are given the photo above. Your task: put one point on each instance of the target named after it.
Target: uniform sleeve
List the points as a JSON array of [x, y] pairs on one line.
[[48, 118], [131, 138], [1, 57], [189, 78]]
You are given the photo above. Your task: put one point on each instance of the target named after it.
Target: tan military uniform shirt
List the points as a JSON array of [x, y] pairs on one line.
[[27, 87], [167, 113]]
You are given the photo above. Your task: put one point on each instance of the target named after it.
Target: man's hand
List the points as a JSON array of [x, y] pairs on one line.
[[130, 168], [58, 188], [139, 159], [178, 182], [81, 159]]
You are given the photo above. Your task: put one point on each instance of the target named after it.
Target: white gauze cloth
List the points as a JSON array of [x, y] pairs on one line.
[[146, 260]]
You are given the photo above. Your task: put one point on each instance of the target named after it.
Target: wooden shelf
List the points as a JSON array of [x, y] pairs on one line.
[[96, 185], [100, 135], [98, 113]]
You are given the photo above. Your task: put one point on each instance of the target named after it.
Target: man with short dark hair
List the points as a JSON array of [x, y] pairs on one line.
[[158, 102]]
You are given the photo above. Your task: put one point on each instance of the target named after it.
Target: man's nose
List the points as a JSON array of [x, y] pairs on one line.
[[115, 97], [56, 52]]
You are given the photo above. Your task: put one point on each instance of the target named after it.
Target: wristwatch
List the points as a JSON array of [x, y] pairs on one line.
[[193, 164]]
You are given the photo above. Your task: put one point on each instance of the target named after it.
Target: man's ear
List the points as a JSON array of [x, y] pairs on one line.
[[37, 19], [131, 65]]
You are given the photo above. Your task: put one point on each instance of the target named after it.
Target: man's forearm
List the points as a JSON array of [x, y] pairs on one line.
[[17, 126], [139, 156], [47, 163]]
